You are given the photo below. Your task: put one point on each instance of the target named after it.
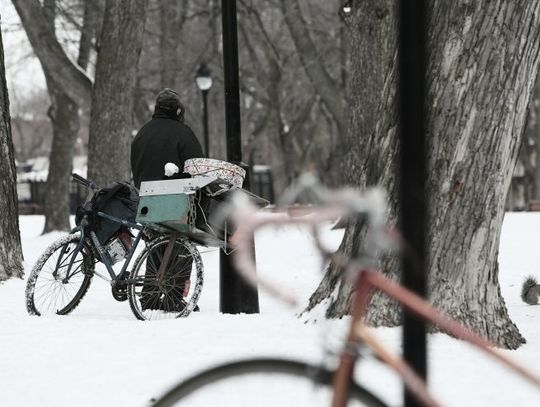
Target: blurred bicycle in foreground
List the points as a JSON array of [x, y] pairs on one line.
[[279, 382]]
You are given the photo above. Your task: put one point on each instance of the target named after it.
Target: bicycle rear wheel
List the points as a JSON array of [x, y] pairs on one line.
[[262, 383], [49, 290], [174, 293]]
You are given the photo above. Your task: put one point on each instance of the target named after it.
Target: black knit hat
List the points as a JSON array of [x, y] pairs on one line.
[[168, 101]]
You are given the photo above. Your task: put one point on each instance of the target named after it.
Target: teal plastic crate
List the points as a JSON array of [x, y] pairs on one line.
[[164, 203]]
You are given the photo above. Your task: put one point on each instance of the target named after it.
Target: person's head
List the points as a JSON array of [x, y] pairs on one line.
[[168, 103]]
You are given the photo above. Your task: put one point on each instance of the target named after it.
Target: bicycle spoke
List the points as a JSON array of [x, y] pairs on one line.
[[155, 298], [51, 290]]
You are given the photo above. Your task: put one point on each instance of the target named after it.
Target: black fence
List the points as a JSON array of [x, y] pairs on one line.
[[32, 197]]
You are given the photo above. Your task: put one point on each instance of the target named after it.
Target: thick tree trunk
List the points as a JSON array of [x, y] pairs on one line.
[[64, 115], [10, 241], [92, 18], [482, 73], [371, 137], [112, 97], [483, 59]]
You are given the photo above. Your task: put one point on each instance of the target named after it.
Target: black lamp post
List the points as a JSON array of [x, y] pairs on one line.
[[236, 296], [413, 205], [204, 83]]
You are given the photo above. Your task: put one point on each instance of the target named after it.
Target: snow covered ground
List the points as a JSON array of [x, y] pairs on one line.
[[100, 355]]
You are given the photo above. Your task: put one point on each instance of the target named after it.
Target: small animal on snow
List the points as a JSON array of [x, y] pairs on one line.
[[530, 291]]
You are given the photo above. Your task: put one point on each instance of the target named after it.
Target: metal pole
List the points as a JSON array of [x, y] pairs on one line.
[[232, 90], [413, 175], [205, 122], [236, 296]]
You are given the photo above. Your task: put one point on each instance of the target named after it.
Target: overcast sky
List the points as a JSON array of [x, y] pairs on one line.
[[23, 70]]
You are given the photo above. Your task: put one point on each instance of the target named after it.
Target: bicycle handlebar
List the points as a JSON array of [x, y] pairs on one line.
[[84, 182], [334, 204]]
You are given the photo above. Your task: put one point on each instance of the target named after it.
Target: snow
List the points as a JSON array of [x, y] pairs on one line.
[[100, 355]]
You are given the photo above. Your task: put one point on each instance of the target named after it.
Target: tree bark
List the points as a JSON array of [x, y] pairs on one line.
[[371, 138], [91, 26], [112, 96], [483, 73], [64, 116], [10, 241], [482, 61]]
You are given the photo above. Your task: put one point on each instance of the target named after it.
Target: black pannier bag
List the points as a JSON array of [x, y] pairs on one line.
[[119, 199]]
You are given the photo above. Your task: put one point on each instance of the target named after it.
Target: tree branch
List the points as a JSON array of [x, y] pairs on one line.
[[325, 86], [93, 13], [52, 57]]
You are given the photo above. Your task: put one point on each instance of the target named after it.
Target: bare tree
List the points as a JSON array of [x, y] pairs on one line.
[[283, 109], [312, 61], [483, 59], [284, 121], [328, 87], [10, 241], [64, 116], [112, 96], [66, 93], [288, 123], [114, 72], [52, 56]]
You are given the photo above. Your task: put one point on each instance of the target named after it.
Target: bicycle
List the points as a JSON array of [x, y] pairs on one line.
[[165, 281], [334, 386]]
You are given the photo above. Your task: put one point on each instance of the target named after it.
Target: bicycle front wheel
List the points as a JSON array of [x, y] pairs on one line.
[[262, 383], [55, 288], [171, 292]]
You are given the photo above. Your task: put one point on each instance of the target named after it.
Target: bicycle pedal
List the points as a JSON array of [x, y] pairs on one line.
[[119, 293]]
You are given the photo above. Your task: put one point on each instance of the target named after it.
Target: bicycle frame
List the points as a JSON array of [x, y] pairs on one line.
[[370, 280], [101, 250], [367, 279], [104, 257]]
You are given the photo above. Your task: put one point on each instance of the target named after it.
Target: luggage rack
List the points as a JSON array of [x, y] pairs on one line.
[[186, 206]]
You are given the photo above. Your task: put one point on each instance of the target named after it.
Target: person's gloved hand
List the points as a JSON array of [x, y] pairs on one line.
[[171, 169]]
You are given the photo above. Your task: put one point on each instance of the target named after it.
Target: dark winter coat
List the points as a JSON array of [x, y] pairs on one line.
[[160, 141]]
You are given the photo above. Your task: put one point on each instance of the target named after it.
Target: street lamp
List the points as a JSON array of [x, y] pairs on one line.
[[204, 83]]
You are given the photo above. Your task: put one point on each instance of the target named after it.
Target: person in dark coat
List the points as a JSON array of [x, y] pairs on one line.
[[164, 139]]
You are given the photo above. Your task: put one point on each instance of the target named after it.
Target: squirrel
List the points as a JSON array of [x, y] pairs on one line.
[[530, 291]]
